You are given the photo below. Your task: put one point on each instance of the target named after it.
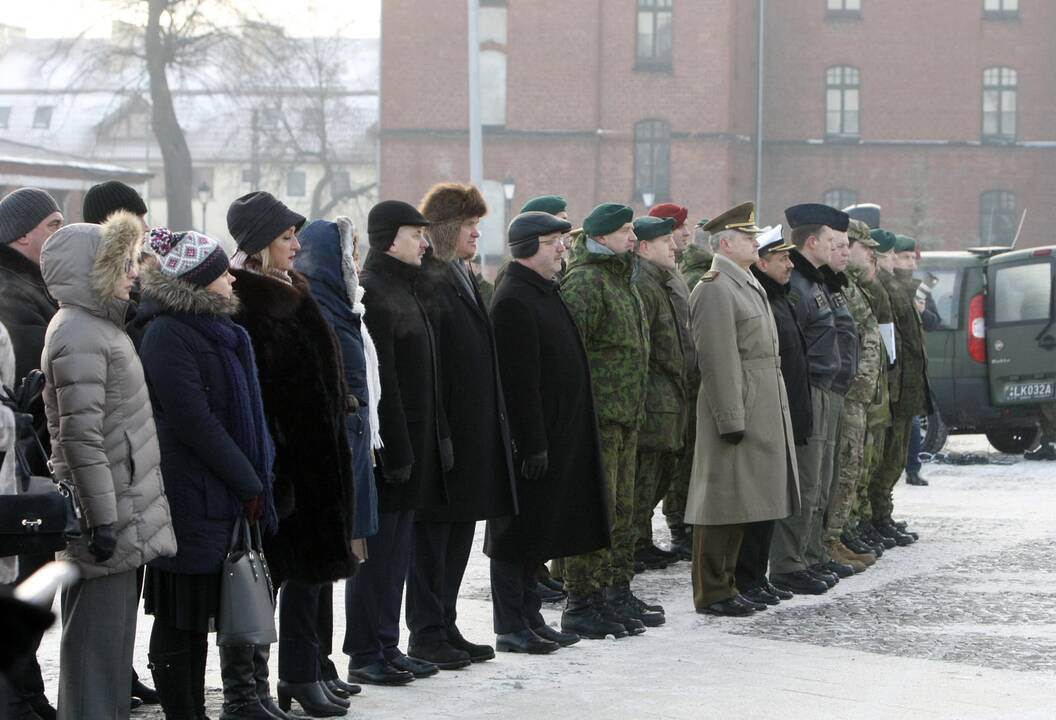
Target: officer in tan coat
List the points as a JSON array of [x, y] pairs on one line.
[[744, 467]]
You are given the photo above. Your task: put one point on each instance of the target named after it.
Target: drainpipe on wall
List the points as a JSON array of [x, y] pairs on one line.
[[761, 46]]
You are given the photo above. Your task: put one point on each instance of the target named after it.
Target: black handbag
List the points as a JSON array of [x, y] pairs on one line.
[[247, 599]]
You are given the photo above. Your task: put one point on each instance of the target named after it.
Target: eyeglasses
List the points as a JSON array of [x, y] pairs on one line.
[[556, 241]]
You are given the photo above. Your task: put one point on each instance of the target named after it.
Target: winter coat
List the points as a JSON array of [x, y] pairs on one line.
[[814, 313], [546, 379], [413, 420], [695, 261], [915, 394], [741, 389], [8, 481], [480, 484], [99, 415], [599, 291], [793, 350], [678, 291], [207, 475], [326, 261], [665, 394], [846, 332], [865, 387], [303, 387]]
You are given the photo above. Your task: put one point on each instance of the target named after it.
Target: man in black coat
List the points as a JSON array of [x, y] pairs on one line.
[[773, 270], [410, 467], [561, 485], [480, 483]]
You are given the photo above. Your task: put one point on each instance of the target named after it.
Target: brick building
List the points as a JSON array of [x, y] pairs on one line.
[[939, 111]]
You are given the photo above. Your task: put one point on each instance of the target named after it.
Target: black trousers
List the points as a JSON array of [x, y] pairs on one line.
[[754, 554], [300, 644], [515, 600], [24, 677], [374, 594], [438, 563]]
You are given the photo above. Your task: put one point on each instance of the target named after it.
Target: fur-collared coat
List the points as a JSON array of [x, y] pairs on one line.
[[303, 386]]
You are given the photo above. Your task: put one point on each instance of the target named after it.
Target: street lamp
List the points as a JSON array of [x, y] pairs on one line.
[[204, 192], [509, 187], [647, 198]]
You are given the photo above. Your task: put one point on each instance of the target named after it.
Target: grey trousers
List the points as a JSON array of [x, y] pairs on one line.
[[830, 473], [788, 549], [95, 655]]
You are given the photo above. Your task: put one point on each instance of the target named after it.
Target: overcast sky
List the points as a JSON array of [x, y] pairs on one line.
[[63, 18]]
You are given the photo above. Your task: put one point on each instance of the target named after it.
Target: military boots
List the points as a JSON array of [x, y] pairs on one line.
[[582, 618]]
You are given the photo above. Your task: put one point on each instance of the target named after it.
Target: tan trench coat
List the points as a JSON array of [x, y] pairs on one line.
[[741, 389]]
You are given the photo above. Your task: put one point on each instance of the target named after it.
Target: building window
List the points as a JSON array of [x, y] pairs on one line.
[[997, 217], [5, 117], [269, 118], [841, 101], [1000, 9], [296, 183], [843, 8], [42, 116], [654, 37], [840, 198], [652, 160], [999, 104]]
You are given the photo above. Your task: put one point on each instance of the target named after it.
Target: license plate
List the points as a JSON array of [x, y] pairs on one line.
[[1020, 392]]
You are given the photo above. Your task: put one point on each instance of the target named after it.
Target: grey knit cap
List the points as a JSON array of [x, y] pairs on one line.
[[22, 210]]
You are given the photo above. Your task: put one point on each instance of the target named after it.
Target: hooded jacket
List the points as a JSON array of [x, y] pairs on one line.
[[99, 414]]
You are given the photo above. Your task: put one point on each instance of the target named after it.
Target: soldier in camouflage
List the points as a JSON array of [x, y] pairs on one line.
[[696, 258], [599, 289]]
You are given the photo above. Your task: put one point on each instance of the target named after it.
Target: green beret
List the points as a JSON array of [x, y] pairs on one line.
[[606, 219], [552, 204], [885, 241], [904, 243], [702, 222], [651, 228]]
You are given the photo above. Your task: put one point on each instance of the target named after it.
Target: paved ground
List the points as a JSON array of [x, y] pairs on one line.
[[960, 625]]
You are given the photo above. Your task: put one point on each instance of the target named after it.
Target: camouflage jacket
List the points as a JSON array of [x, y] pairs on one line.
[[696, 261], [679, 293], [865, 387], [914, 396], [602, 298], [665, 394]]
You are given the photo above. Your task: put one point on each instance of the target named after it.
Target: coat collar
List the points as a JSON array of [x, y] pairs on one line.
[[18, 264], [806, 268], [774, 290], [260, 294], [385, 264], [723, 264], [530, 277]]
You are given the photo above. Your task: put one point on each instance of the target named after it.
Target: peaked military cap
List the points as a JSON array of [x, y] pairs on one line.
[[858, 232], [651, 228], [816, 214], [904, 243], [771, 241], [552, 204], [606, 219], [702, 222], [741, 217], [885, 241], [869, 213]]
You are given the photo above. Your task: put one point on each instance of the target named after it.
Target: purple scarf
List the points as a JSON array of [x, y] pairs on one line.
[[247, 425]]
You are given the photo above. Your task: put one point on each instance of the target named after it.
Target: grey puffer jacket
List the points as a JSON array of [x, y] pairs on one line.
[[99, 414]]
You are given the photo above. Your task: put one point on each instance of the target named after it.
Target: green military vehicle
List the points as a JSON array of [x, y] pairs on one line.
[[992, 355]]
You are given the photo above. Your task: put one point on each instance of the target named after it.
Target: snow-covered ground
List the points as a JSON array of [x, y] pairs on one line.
[[960, 625]]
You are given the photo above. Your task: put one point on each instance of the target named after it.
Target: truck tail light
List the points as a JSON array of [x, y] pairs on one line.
[[977, 329]]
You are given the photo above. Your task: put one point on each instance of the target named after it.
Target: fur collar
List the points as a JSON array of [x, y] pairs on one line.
[[260, 294], [347, 231], [183, 297], [806, 268]]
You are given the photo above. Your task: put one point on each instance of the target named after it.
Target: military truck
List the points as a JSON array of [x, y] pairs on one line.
[[992, 358]]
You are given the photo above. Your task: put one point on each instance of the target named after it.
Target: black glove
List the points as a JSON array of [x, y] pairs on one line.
[[534, 466], [23, 425], [733, 438], [447, 454], [101, 542], [397, 476]]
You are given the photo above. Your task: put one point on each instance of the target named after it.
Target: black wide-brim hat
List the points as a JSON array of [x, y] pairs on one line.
[[257, 218]]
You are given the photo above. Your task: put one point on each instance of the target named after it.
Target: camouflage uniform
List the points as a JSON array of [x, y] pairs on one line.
[[878, 416], [662, 436], [696, 261], [675, 496], [600, 293]]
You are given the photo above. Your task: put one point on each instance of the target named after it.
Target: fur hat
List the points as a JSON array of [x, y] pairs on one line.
[[447, 206]]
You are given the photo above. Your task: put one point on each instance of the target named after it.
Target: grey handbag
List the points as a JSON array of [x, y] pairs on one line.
[[247, 605]]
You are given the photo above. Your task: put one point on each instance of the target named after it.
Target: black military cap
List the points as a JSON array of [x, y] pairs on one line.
[[526, 229], [817, 214], [385, 220], [869, 213]]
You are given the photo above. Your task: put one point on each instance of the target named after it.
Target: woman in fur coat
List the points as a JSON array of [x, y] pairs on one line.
[[305, 402]]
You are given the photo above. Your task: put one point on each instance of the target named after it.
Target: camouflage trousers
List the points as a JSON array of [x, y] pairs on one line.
[[654, 475], [851, 468], [892, 463], [874, 450], [585, 574], [675, 498]]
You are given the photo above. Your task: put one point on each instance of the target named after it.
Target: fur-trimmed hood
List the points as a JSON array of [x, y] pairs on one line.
[[176, 295], [447, 206], [81, 263]]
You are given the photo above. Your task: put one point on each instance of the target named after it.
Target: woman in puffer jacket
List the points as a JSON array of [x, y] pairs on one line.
[[216, 457], [103, 442]]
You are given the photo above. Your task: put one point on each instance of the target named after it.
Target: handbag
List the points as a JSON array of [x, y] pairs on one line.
[[247, 604]]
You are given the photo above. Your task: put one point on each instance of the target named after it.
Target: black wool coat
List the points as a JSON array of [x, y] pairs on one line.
[[303, 386], [480, 484], [546, 378], [412, 417], [795, 369]]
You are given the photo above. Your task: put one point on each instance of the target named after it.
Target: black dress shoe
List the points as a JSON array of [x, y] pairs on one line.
[[549, 595], [561, 638], [333, 697], [841, 570], [728, 607], [799, 582], [441, 654], [477, 653], [379, 673], [417, 668], [914, 478], [760, 596], [830, 579], [553, 584], [149, 696], [310, 697], [777, 592], [341, 688], [524, 641], [757, 606]]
